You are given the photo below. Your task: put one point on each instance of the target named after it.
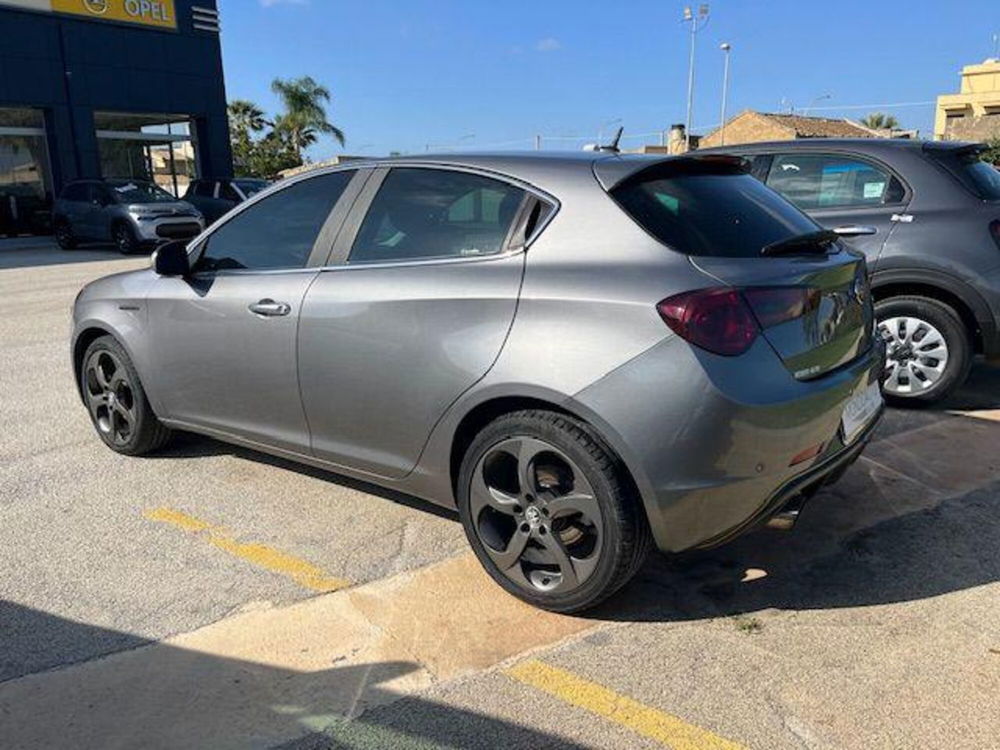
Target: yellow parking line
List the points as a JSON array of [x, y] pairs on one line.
[[657, 725], [303, 573]]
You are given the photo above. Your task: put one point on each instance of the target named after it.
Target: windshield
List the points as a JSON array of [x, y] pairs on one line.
[[140, 192], [250, 187], [981, 178], [724, 215]]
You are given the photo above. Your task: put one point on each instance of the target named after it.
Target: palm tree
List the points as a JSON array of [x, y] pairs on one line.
[[880, 121], [245, 117], [305, 112]]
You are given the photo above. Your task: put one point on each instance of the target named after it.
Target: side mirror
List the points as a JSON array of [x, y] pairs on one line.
[[171, 259]]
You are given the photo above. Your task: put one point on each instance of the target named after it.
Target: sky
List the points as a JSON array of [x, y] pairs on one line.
[[413, 75]]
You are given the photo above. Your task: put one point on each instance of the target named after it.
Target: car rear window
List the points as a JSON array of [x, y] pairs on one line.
[[982, 179], [728, 214]]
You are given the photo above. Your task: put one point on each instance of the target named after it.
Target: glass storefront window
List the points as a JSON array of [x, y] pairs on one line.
[[25, 184], [158, 148]]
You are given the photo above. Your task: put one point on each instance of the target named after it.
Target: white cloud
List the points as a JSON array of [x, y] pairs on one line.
[[548, 44]]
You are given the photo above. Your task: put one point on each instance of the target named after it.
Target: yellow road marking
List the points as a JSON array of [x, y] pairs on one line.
[[302, 572], [657, 725]]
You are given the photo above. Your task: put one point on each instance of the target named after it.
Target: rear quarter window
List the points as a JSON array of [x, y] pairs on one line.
[[978, 177], [722, 215]]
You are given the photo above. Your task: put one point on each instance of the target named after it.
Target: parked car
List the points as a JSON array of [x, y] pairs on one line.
[[130, 213], [587, 354], [933, 209], [214, 198]]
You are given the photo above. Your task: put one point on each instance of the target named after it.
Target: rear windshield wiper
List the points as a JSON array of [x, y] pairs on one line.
[[810, 242]]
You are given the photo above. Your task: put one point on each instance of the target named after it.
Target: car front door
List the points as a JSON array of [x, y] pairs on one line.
[[224, 338], [842, 190], [411, 311]]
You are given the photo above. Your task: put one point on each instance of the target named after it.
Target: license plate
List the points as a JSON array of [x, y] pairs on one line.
[[859, 412]]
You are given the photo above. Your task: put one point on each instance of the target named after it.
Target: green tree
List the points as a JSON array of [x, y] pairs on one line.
[[304, 118], [992, 152], [880, 121], [245, 117]]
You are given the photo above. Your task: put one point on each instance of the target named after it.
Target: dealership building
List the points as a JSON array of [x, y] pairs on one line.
[[107, 88]]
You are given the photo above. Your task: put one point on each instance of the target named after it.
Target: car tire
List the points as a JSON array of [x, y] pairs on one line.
[[575, 534], [64, 235], [124, 238], [116, 400], [928, 349]]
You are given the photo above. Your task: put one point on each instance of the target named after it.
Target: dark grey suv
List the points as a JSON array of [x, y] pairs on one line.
[[933, 209]]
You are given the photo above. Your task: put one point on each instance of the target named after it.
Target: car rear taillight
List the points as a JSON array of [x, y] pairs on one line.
[[995, 231], [727, 321], [714, 319]]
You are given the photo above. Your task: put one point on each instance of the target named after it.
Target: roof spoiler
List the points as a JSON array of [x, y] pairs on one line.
[[955, 147], [612, 173]]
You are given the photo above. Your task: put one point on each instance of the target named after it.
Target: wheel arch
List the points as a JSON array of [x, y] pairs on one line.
[[481, 414], [965, 301], [85, 338]]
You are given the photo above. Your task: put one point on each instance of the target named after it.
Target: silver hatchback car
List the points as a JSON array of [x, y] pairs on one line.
[[586, 354]]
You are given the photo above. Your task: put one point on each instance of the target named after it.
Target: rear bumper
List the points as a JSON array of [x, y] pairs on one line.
[[710, 440]]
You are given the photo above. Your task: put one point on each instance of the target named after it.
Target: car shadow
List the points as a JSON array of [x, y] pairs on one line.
[[160, 695]]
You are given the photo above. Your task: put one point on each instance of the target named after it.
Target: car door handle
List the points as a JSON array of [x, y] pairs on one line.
[[268, 308], [853, 230]]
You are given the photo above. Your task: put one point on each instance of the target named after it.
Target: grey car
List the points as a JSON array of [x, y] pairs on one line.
[[130, 213], [586, 354], [214, 198], [933, 210]]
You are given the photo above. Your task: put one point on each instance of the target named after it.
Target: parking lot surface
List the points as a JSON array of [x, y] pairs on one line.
[[210, 596]]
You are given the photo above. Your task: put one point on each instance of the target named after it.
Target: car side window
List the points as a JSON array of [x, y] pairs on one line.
[[227, 193], [204, 189], [818, 181], [436, 213], [277, 232], [100, 194], [77, 192]]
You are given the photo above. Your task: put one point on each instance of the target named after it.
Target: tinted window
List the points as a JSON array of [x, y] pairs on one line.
[[135, 191], [813, 181], [251, 187], [77, 192], [729, 215], [278, 232], [982, 179], [435, 213], [204, 189], [226, 192]]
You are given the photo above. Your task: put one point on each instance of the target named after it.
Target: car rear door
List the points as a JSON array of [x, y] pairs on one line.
[[224, 338], [841, 190], [413, 310]]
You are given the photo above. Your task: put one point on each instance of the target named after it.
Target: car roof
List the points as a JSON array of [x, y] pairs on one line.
[[544, 169], [854, 144]]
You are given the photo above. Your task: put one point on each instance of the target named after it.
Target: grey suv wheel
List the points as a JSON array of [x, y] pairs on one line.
[[928, 351], [64, 235], [549, 512], [124, 238]]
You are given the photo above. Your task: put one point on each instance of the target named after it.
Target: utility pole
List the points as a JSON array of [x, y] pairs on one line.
[[698, 22], [538, 142], [726, 47]]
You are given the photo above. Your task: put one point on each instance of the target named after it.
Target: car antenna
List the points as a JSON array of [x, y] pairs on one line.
[[610, 147]]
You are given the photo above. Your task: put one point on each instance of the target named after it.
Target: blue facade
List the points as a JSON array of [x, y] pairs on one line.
[[70, 68]]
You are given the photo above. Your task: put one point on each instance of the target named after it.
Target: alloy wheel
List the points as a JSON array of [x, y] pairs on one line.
[[536, 515], [123, 239], [916, 355], [110, 397]]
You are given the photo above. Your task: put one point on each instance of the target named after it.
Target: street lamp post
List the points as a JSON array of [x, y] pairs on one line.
[[726, 47], [698, 22]]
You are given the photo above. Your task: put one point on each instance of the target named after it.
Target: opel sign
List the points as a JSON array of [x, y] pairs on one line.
[[158, 13]]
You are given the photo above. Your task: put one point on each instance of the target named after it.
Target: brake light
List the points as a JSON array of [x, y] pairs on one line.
[[995, 231], [774, 305], [714, 319]]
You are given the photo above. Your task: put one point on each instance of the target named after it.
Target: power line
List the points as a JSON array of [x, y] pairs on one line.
[[874, 106]]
